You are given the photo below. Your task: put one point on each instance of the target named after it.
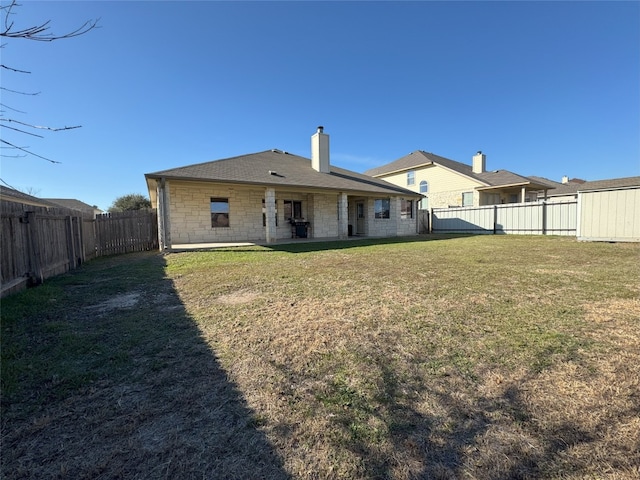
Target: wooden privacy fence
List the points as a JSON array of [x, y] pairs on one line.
[[534, 218], [125, 232], [38, 242]]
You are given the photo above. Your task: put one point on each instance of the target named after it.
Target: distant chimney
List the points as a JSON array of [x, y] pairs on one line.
[[320, 151], [565, 179], [479, 164]]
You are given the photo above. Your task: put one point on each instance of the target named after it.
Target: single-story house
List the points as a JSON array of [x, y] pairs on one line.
[[73, 204], [565, 191], [448, 183], [273, 195], [16, 196], [609, 210]]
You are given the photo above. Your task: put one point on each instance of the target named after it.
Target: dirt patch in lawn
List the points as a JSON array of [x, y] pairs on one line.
[[238, 298], [124, 300]]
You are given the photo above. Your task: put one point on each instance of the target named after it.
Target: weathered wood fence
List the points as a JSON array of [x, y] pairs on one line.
[[38, 243], [534, 218]]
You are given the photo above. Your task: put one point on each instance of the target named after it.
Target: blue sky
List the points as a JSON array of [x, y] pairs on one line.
[[542, 88]]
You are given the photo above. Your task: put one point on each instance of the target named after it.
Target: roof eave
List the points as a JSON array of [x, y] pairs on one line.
[[530, 185], [309, 188], [400, 170]]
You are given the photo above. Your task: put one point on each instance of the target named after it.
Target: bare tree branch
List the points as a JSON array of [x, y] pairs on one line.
[[40, 32], [39, 127], [1, 180], [14, 69], [19, 93], [27, 151], [10, 108], [21, 131]]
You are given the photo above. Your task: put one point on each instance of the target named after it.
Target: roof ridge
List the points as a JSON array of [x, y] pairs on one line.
[[273, 150]]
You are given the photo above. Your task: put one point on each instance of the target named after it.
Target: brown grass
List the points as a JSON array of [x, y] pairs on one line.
[[480, 357]]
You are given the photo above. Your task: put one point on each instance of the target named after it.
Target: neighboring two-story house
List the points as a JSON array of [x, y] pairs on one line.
[[448, 183]]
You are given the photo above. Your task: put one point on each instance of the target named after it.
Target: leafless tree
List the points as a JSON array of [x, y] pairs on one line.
[[38, 33]]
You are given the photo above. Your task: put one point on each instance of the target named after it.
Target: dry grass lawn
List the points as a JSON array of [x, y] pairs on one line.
[[487, 357]]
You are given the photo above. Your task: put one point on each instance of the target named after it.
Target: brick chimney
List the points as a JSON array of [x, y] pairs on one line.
[[320, 151], [479, 164]]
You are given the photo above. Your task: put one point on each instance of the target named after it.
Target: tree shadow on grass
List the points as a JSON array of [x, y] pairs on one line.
[[105, 375]]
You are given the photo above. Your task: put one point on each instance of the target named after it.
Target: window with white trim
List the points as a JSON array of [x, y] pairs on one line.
[[467, 199], [411, 177]]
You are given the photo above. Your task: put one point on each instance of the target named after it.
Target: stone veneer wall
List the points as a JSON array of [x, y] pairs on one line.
[[387, 227], [407, 226], [384, 227], [451, 198], [190, 207], [191, 214], [323, 215]]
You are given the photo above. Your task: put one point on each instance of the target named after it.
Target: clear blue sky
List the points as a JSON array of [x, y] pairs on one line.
[[542, 88]]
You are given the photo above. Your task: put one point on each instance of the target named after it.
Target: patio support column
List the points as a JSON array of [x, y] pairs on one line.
[[270, 214], [343, 216], [164, 226], [524, 195]]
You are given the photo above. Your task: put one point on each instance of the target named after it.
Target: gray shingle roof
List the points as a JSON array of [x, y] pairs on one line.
[[545, 181], [280, 169], [610, 183], [565, 189], [72, 203], [9, 194], [418, 158]]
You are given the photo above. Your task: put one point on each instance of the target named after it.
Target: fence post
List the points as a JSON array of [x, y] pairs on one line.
[[431, 218], [35, 265], [495, 219], [81, 252], [544, 217], [71, 243]]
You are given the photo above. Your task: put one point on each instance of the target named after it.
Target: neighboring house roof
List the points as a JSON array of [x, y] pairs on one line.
[[277, 168], [564, 189], [546, 181], [558, 189], [490, 179], [610, 183], [73, 204], [505, 178], [11, 195], [416, 159]]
